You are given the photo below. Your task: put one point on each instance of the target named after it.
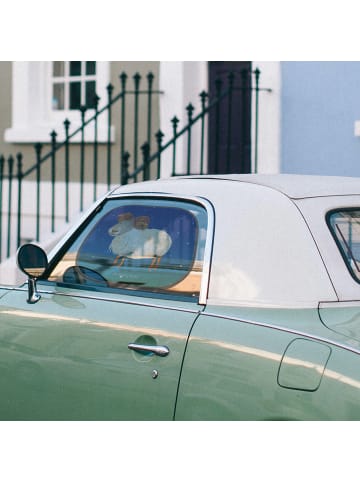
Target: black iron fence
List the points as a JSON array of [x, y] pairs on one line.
[[142, 161]]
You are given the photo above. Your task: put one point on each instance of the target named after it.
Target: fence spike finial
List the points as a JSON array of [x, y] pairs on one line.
[[125, 168], [203, 96], [137, 78], [67, 127], [150, 77], [123, 78], [190, 109]]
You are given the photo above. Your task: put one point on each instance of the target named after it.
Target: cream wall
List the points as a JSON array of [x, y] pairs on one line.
[[5, 105]]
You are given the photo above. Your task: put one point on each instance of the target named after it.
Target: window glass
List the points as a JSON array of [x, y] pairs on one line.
[[345, 227], [90, 68], [58, 69], [74, 84], [151, 245], [58, 96], [75, 68], [90, 94], [75, 95]]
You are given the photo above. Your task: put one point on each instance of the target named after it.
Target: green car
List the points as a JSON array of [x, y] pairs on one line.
[[230, 297]]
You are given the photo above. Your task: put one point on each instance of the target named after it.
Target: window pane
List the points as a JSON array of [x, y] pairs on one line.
[[75, 68], [90, 68], [75, 95], [90, 94], [139, 245], [58, 97], [345, 227], [58, 69]]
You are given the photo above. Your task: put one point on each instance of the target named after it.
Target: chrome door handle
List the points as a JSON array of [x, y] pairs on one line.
[[155, 349]]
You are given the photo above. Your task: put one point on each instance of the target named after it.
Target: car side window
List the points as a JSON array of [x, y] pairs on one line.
[[345, 227], [136, 244]]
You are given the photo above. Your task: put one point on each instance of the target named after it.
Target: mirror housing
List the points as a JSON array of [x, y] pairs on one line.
[[32, 260]]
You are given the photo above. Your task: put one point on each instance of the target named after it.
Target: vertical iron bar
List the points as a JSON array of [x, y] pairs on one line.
[[257, 77], [38, 148], [96, 100], [10, 177], [190, 110], [123, 78], [67, 125], [218, 84], [159, 135], [229, 126], [19, 211], [53, 178], [150, 78], [110, 89], [203, 97], [146, 152], [175, 122], [125, 168], [82, 157], [2, 162], [244, 140], [137, 78]]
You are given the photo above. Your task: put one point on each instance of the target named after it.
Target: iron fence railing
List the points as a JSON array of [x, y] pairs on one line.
[[144, 161], [224, 92], [72, 151]]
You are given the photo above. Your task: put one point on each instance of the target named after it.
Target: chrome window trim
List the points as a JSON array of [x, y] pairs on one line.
[[205, 203], [114, 300]]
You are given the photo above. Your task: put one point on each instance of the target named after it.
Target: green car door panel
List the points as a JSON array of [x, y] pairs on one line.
[[247, 370], [67, 357], [343, 318]]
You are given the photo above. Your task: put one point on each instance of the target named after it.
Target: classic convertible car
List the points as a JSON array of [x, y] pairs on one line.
[[197, 298]]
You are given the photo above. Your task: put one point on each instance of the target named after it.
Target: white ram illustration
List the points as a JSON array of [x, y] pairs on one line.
[[133, 239]]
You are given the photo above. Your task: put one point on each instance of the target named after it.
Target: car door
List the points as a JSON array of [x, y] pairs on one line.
[[107, 338]]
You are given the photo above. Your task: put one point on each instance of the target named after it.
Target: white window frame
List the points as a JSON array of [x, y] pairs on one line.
[[66, 80], [33, 118]]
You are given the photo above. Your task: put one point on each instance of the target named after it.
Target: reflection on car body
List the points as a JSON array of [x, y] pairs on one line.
[[208, 297]]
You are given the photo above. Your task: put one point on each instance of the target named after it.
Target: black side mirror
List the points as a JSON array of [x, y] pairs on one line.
[[32, 261]]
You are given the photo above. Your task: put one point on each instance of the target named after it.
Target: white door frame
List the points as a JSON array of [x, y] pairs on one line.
[[182, 82]]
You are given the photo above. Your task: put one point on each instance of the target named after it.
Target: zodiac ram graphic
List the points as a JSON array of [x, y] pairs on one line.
[[134, 239]]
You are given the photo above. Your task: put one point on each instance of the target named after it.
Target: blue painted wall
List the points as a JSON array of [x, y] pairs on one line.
[[319, 106]]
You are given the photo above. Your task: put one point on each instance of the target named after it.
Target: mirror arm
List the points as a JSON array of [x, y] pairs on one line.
[[33, 295]]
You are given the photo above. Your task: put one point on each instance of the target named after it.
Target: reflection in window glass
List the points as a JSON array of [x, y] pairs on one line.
[[58, 69], [58, 97], [152, 245], [345, 227]]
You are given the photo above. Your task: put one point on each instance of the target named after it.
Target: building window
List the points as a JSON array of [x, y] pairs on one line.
[[73, 85], [44, 94]]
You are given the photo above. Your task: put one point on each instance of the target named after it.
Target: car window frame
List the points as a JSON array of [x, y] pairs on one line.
[[58, 252]]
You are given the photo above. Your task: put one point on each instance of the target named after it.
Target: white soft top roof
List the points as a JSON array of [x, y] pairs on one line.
[[283, 216], [295, 186]]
